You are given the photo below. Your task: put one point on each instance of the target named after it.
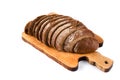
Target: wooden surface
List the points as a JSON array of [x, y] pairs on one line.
[[70, 60]]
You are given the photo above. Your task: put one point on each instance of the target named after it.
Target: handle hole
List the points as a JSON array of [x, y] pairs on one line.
[[106, 62]]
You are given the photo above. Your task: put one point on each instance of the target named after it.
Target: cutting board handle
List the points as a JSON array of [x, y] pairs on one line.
[[100, 61]]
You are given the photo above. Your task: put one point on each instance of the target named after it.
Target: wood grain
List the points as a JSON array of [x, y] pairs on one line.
[[70, 60]]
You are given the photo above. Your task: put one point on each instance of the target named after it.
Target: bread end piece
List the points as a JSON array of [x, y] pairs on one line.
[[27, 29], [86, 45]]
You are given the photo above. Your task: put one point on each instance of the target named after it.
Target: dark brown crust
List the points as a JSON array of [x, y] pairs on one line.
[[86, 45], [27, 30], [100, 44]]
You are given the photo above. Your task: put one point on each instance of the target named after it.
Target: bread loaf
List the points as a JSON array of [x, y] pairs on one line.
[[62, 33]]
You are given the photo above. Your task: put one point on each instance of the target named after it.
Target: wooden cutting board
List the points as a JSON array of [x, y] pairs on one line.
[[70, 60]]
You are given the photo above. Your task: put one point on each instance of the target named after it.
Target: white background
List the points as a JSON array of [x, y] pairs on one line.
[[20, 61]]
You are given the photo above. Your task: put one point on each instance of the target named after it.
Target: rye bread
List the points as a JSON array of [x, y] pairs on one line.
[[63, 33], [61, 38], [42, 25], [76, 36], [54, 22], [32, 25], [58, 31], [48, 26], [56, 25], [39, 27], [36, 23]]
